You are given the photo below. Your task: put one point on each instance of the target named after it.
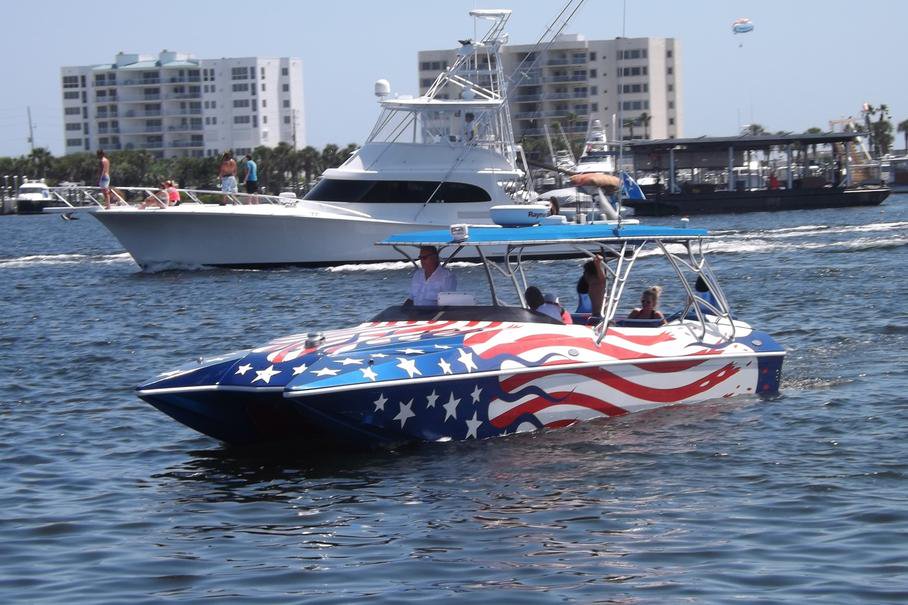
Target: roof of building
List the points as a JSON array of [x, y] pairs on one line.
[[759, 141], [545, 234]]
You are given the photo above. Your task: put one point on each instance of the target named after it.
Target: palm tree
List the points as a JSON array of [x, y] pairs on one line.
[[754, 129], [629, 124], [645, 119], [40, 160], [903, 128]]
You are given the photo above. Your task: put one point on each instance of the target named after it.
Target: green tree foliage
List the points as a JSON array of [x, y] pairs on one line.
[[279, 168], [903, 128]]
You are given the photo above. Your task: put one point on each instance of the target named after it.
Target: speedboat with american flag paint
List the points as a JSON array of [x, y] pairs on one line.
[[479, 368]]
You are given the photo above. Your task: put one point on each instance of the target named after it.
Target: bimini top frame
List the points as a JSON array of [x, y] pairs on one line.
[[619, 245]]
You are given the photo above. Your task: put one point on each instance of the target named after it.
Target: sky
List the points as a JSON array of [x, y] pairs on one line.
[[806, 62]]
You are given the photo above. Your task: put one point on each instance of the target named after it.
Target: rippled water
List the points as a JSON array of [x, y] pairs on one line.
[[799, 498]]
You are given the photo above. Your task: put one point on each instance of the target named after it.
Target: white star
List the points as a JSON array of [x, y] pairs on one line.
[[348, 361], [472, 425], [451, 408], [410, 351], [380, 402], [378, 355], [266, 374], [431, 399], [326, 372], [243, 369], [369, 373], [442, 347], [466, 359], [475, 394], [445, 366], [299, 369], [408, 366], [405, 412]]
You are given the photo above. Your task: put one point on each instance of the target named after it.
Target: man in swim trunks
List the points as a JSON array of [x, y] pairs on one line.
[[104, 176], [227, 174]]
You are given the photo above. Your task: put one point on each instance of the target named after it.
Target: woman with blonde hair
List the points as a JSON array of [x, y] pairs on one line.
[[649, 305]]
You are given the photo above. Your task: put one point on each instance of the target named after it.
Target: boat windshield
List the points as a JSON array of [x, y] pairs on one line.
[[29, 190], [405, 192]]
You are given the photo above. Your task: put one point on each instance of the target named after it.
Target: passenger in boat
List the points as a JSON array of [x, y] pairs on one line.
[[773, 181], [158, 199], [104, 176], [430, 279], [534, 298], [252, 179], [591, 287], [227, 174], [469, 127], [649, 305], [703, 290], [173, 194], [552, 307], [554, 208]]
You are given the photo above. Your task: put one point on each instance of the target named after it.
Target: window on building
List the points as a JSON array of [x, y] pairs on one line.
[[671, 121], [593, 56], [238, 73], [671, 104], [71, 94], [71, 111], [214, 119], [70, 81], [251, 73], [285, 71], [255, 121], [242, 119], [73, 142], [592, 73], [262, 73], [241, 87], [264, 103], [286, 119], [263, 87], [240, 103], [286, 103], [594, 107], [668, 54], [214, 104], [73, 127], [671, 87], [264, 119], [285, 88], [669, 71]]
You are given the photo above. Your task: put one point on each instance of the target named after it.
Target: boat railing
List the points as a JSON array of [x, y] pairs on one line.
[[75, 197]]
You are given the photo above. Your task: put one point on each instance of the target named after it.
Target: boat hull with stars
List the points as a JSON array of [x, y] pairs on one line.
[[451, 373]]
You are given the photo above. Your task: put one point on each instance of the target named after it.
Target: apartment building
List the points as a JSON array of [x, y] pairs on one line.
[[175, 105], [631, 85]]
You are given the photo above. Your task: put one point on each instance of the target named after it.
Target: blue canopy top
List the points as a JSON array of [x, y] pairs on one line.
[[490, 235]]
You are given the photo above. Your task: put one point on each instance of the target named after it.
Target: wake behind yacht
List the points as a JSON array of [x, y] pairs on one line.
[[445, 157]]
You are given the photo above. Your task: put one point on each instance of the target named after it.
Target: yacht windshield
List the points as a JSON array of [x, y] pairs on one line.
[[406, 192]]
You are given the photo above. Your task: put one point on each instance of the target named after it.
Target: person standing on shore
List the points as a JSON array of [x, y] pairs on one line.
[[252, 179], [227, 174], [104, 177]]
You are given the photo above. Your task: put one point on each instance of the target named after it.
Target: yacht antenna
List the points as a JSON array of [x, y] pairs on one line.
[[31, 130]]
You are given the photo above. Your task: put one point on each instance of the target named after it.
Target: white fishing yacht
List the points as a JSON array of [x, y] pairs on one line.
[[442, 158]]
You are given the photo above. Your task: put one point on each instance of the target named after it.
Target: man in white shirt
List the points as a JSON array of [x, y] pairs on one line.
[[430, 279]]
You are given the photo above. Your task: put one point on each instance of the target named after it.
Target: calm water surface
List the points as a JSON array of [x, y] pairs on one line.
[[802, 498]]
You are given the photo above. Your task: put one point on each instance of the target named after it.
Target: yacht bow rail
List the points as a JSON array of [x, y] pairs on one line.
[[156, 198]]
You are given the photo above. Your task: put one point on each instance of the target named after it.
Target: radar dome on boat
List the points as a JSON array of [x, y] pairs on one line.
[[382, 88], [519, 215]]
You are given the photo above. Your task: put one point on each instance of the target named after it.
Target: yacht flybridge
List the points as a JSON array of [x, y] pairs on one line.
[[442, 158]]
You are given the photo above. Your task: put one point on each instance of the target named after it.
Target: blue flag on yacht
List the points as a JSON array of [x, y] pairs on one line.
[[630, 190]]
